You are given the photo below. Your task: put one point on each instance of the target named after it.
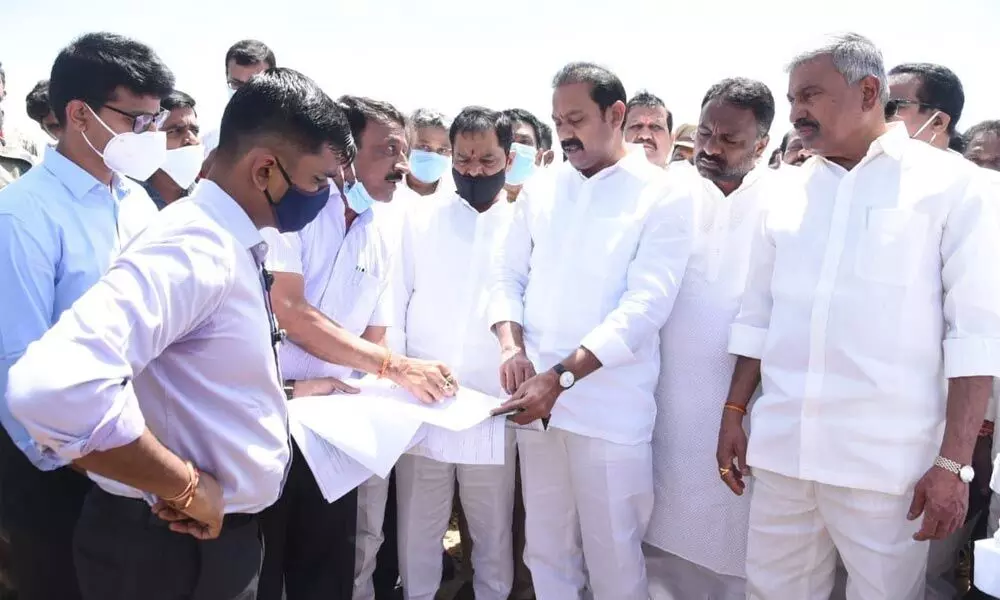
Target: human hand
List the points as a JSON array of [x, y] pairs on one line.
[[321, 386], [943, 499], [203, 517], [515, 369], [430, 381], [731, 453], [533, 399]]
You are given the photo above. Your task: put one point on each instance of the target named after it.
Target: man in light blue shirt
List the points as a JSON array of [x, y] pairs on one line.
[[60, 226]]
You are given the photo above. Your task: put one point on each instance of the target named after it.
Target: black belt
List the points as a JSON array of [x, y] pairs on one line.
[[139, 511]]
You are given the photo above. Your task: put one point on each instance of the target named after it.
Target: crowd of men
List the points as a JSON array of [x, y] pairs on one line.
[[726, 375]]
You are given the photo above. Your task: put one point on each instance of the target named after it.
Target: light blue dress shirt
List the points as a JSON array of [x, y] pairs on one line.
[[59, 229]]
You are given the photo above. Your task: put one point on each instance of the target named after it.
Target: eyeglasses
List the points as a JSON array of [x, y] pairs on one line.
[[141, 122], [894, 104]]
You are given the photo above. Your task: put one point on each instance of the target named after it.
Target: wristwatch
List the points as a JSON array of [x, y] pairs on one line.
[[289, 388], [566, 377], [964, 472]]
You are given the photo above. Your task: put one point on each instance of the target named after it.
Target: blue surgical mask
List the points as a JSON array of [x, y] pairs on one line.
[[428, 167], [358, 198], [297, 208], [524, 164]]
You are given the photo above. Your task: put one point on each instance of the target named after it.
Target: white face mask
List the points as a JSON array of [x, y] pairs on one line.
[[183, 164], [924, 126], [135, 155]]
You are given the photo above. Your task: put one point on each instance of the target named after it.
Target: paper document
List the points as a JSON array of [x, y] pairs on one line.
[[465, 409], [373, 433], [479, 445], [335, 472]]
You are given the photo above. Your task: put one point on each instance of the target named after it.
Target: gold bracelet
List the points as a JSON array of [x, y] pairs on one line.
[[189, 488], [735, 407]]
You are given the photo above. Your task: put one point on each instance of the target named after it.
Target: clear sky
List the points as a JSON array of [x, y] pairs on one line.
[[450, 53]]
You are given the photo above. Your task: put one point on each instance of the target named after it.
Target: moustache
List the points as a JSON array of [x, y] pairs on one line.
[[394, 177], [710, 159], [800, 123], [571, 144], [647, 141]]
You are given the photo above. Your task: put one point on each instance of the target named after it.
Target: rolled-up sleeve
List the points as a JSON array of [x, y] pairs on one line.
[[72, 390], [748, 333], [511, 260], [27, 274], [970, 278], [654, 276]]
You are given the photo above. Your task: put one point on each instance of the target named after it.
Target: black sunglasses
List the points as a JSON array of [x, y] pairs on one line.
[[141, 122]]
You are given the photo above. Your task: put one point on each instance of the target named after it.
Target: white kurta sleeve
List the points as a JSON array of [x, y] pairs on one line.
[[970, 251], [284, 251], [72, 388], [652, 281], [510, 268], [749, 331]]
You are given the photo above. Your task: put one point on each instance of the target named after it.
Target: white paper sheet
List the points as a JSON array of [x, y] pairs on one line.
[[482, 444], [373, 433], [335, 472], [467, 408]]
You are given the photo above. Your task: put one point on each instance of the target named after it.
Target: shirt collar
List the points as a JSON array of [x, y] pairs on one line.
[[631, 163], [231, 216], [78, 181], [892, 143]]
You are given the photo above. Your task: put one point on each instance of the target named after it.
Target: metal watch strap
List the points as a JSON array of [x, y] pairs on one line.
[[947, 464]]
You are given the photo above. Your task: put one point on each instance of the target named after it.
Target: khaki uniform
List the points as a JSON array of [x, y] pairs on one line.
[[17, 155]]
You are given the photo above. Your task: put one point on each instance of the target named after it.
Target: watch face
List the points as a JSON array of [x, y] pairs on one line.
[[966, 474], [567, 379]]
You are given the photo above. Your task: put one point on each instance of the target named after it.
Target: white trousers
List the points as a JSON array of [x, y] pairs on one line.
[[372, 496], [587, 504], [425, 489], [797, 528], [673, 578]]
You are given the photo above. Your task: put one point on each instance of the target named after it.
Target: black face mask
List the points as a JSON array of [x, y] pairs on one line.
[[479, 190]]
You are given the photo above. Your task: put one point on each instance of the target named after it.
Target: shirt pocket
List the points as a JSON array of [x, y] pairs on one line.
[[354, 301], [891, 246]]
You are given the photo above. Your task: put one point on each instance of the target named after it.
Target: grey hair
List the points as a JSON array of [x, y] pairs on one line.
[[854, 56], [425, 117]]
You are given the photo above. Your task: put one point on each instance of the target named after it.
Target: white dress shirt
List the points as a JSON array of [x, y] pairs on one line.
[[867, 288], [693, 508], [444, 281], [176, 338], [346, 273], [596, 262]]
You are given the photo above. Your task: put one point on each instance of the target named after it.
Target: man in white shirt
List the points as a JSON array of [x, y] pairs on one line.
[[61, 225], [982, 144], [649, 122], [584, 282], [869, 282], [697, 534], [329, 295], [444, 283], [527, 150], [169, 392], [430, 153]]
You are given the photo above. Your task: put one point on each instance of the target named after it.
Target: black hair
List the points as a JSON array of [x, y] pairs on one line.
[[519, 115], [648, 100], [984, 127], [476, 119], [37, 101], [956, 143], [3, 75], [545, 138], [177, 99], [745, 93], [94, 65], [940, 89], [286, 106], [250, 52], [784, 141], [605, 87], [361, 111]]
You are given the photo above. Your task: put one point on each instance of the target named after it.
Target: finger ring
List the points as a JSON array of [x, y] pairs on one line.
[[724, 472], [449, 380], [447, 386]]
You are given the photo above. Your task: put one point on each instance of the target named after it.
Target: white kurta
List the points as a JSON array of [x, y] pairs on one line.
[[694, 510]]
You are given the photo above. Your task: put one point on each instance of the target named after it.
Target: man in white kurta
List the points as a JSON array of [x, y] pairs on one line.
[[447, 249], [585, 280], [697, 535], [869, 282]]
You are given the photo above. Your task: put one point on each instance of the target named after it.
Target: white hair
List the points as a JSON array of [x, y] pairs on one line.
[[854, 56], [425, 117]]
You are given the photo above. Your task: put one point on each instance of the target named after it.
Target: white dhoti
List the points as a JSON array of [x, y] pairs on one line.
[[372, 496], [673, 578], [587, 504], [424, 492], [797, 528]]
